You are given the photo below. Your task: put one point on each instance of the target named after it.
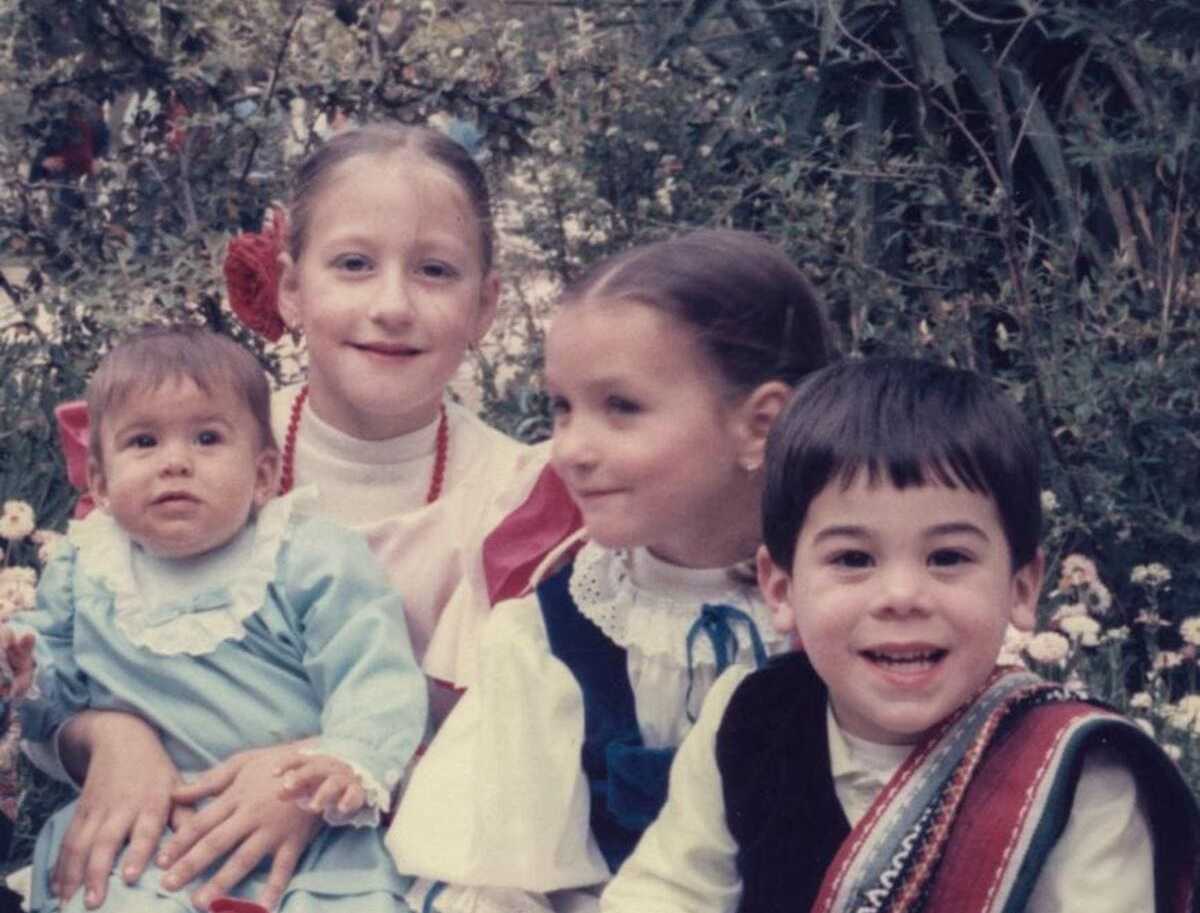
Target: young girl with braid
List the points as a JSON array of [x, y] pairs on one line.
[[666, 367]]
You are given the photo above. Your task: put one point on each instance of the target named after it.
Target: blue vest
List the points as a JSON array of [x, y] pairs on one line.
[[628, 781]]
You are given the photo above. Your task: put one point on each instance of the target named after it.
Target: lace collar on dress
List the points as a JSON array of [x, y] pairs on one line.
[[197, 625], [640, 601]]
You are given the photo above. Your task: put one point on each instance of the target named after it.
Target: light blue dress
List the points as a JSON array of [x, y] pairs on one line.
[[290, 631]]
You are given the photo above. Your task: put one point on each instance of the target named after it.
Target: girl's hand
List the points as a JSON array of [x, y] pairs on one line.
[[16, 651], [242, 824], [322, 784], [126, 797]]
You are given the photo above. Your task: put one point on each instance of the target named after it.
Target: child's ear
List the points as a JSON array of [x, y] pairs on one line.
[[757, 414], [289, 292], [266, 476], [776, 586], [1026, 590], [489, 297], [96, 484]]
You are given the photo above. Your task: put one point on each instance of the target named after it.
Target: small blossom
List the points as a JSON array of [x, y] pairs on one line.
[[1141, 701], [1082, 628], [704, 151], [1114, 634], [1173, 752], [1015, 640], [650, 146], [17, 521], [1099, 598], [1151, 575], [1077, 570], [1049, 498], [1185, 713], [18, 588], [1189, 630], [47, 541], [1070, 610], [1048, 647]]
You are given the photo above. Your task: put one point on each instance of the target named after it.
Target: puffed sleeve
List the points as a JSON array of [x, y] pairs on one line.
[[500, 797], [358, 658], [686, 860], [60, 687], [512, 529]]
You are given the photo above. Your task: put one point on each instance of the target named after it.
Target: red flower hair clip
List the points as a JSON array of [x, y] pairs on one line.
[[252, 276]]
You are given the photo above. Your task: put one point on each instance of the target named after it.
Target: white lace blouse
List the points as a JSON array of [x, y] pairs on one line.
[[500, 798]]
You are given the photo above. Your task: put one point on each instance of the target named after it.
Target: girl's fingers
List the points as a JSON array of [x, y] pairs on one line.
[[213, 781], [352, 800], [192, 830], [328, 793], [209, 848]]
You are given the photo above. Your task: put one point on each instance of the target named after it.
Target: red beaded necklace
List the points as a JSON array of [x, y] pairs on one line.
[[288, 476]]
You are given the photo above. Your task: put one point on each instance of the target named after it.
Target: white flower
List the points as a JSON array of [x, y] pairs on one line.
[[1121, 633], [1153, 574], [1189, 630], [1048, 647], [47, 540], [18, 588], [1099, 597], [1077, 570], [1083, 628], [1185, 713], [1015, 640], [650, 146], [1070, 610], [1173, 752], [1049, 498], [16, 522], [1141, 701]]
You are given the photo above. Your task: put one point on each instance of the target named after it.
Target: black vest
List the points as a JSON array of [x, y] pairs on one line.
[[780, 805]]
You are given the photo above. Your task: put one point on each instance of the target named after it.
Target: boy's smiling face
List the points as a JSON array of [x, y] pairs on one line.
[[900, 598]]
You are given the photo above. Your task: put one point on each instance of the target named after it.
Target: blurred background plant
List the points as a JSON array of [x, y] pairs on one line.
[[1008, 186]]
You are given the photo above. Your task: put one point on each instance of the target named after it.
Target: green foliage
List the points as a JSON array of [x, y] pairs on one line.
[[1004, 185]]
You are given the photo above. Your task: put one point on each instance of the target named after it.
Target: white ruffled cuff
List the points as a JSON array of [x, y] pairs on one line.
[[378, 796]]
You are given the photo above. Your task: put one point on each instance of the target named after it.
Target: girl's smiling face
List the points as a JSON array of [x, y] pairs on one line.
[[647, 437], [390, 289], [900, 598]]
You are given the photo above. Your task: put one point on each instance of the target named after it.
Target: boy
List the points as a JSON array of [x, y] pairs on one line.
[[890, 765]]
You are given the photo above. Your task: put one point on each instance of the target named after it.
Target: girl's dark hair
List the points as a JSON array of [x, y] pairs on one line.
[[753, 310], [151, 356], [381, 139], [908, 422]]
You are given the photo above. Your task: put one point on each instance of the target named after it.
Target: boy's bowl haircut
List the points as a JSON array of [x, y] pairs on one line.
[[905, 422]]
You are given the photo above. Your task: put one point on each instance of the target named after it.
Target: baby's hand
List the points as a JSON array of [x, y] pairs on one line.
[[16, 662], [322, 784]]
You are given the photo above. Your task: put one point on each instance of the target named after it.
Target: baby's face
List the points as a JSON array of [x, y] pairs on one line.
[[181, 469], [901, 598]]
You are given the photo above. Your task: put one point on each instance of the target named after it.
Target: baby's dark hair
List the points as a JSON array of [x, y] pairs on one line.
[[382, 139], [754, 312], [152, 356], [906, 422]]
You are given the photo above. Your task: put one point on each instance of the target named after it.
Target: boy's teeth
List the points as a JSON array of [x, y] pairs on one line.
[[924, 656]]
